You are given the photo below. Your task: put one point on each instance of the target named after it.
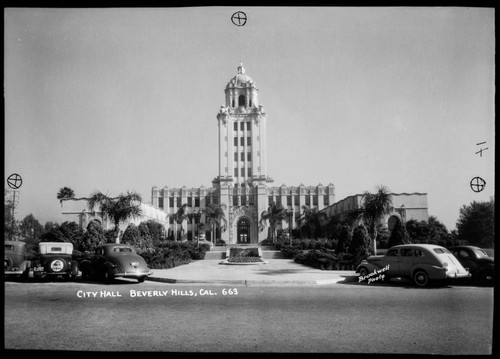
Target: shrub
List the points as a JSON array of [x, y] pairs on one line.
[[267, 242], [290, 252], [324, 260]]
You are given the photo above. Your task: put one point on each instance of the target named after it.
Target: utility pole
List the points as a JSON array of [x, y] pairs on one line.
[[14, 202]]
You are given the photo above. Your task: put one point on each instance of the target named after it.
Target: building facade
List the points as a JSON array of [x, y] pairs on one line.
[[242, 187], [405, 207]]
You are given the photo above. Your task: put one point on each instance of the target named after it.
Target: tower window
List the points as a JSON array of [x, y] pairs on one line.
[[242, 156], [236, 141], [242, 126], [235, 126], [236, 156], [241, 100], [242, 172], [250, 172], [250, 102], [249, 141], [249, 156], [235, 172], [232, 103], [248, 126], [242, 141]]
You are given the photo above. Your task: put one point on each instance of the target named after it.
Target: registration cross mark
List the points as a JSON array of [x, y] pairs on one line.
[[239, 18]]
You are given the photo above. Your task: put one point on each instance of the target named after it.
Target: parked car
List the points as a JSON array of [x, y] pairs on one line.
[[115, 260], [420, 262], [16, 263], [480, 265], [55, 260]]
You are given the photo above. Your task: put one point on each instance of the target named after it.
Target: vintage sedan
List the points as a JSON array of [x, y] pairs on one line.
[[55, 260], [115, 260], [422, 263], [15, 262], [480, 265]]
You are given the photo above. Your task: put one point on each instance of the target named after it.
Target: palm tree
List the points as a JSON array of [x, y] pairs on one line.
[[275, 214], [215, 217], [374, 207], [194, 218], [180, 216], [65, 193], [313, 218], [118, 209]]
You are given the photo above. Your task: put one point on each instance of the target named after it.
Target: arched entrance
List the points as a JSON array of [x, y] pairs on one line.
[[243, 231]]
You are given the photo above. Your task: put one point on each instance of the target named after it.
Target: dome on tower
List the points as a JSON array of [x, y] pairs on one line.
[[241, 79]]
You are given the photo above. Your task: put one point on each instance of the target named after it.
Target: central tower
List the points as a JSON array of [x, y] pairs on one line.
[[242, 133]]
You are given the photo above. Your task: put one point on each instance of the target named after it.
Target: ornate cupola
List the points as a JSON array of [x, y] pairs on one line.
[[241, 91]]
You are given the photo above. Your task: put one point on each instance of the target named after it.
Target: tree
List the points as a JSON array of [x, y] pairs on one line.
[[399, 235], [180, 216], [66, 232], [30, 229], [118, 209], [156, 230], [65, 193], [313, 218], [360, 244], [138, 237], [476, 224], [374, 207], [275, 214], [215, 218], [344, 237], [93, 237], [431, 231]]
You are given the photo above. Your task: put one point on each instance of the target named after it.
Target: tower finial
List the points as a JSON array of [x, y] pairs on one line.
[[241, 69]]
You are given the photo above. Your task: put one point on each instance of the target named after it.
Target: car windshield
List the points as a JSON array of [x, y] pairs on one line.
[[122, 249], [480, 252], [441, 250]]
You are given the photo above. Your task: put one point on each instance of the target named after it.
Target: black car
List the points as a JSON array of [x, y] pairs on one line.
[[115, 260], [481, 266], [55, 260]]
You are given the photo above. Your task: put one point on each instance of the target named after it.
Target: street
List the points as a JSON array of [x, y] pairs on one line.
[[336, 318]]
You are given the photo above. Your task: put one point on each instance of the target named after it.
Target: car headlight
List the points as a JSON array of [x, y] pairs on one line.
[[57, 265]]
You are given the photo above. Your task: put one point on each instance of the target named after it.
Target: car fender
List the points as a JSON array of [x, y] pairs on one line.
[[434, 272], [369, 267]]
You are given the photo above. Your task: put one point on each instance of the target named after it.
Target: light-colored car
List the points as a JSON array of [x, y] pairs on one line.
[[422, 263], [115, 260], [56, 259]]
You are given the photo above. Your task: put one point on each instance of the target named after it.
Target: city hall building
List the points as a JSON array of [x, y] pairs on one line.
[[243, 187]]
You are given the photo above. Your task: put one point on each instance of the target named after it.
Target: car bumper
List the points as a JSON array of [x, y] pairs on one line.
[[457, 275], [16, 272], [133, 274]]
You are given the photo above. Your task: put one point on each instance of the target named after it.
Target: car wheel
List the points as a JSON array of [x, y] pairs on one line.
[[487, 278], [141, 279], [363, 272], [107, 277], [421, 278]]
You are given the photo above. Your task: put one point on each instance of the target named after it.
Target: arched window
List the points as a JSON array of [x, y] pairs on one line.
[[241, 100]]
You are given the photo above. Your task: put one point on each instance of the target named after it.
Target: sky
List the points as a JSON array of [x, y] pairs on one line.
[[124, 99]]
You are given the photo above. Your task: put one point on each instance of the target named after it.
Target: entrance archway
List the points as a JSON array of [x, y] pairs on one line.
[[243, 231]]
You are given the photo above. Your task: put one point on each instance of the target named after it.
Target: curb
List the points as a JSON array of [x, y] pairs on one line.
[[253, 282]]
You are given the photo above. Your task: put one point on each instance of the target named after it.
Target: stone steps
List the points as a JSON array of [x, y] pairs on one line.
[[220, 252]]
